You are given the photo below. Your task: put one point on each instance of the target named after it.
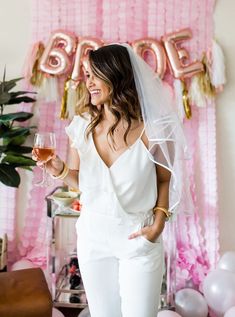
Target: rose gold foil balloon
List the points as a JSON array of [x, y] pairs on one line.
[[84, 45], [55, 59], [148, 44], [177, 55]]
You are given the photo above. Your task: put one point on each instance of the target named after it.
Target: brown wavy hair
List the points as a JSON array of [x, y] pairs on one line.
[[112, 64]]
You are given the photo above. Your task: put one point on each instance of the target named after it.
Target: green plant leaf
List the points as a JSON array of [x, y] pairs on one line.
[[19, 93], [4, 98], [16, 149], [2, 149], [16, 132], [16, 116], [3, 128], [4, 73], [9, 176], [12, 136], [27, 168], [8, 85], [18, 160], [17, 140], [17, 100]]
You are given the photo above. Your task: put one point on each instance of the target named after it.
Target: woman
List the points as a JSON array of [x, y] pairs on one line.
[[123, 150]]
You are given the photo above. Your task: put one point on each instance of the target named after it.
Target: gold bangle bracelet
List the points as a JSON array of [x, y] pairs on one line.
[[166, 212], [63, 174]]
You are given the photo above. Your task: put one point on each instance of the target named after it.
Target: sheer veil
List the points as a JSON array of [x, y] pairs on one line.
[[167, 143]]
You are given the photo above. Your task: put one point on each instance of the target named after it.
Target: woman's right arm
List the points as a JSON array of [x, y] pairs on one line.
[[55, 167]]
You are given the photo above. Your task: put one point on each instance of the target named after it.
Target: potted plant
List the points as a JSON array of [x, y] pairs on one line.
[[13, 152]]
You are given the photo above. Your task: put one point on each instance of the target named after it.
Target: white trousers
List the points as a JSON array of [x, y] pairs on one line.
[[122, 277]]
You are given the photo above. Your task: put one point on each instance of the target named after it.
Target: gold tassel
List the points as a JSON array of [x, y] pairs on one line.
[[63, 108], [187, 107], [204, 80], [37, 75]]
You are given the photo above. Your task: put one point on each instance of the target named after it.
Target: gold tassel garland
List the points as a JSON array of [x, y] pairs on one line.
[[204, 80], [37, 75], [187, 107], [63, 108]]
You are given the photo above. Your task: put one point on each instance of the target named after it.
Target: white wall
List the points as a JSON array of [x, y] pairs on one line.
[[14, 35], [224, 30], [14, 43]]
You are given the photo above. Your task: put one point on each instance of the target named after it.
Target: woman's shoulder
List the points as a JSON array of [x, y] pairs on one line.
[[82, 118], [76, 131], [79, 121], [78, 125]]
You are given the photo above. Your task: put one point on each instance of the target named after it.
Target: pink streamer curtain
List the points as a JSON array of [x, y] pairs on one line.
[[122, 21], [8, 218]]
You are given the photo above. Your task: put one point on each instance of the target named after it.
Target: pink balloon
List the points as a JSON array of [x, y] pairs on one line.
[[84, 45], [55, 58], [149, 44], [219, 290], [56, 313], [177, 56], [230, 312], [168, 313], [22, 264]]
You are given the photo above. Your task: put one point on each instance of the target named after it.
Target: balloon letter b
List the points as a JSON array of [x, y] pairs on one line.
[[55, 59]]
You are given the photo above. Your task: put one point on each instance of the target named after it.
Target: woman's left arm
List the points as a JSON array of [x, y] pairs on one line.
[[153, 232], [163, 182]]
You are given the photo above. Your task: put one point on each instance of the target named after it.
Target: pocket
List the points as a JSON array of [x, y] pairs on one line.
[[147, 244], [158, 240]]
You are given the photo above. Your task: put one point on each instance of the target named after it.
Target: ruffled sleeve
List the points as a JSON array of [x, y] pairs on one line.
[[76, 131]]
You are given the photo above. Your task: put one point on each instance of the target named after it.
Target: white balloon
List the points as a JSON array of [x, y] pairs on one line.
[[23, 264], [230, 312], [168, 313], [227, 261], [56, 313], [219, 290], [189, 302]]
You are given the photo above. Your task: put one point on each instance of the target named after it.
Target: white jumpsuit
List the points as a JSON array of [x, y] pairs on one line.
[[122, 277]]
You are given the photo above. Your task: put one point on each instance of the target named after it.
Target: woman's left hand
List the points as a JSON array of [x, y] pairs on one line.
[[149, 232]]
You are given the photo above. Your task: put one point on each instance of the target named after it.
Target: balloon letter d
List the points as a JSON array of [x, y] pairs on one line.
[[176, 55]]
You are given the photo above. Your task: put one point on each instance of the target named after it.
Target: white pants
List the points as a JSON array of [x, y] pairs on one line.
[[122, 278]]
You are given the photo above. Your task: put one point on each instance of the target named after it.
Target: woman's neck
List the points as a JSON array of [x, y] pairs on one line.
[[110, 119], [108, 116]]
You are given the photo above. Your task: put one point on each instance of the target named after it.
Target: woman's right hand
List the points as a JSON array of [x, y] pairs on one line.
[[53, 167]]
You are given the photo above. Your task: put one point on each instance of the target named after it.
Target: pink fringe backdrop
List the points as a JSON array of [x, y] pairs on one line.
[[194, 246]]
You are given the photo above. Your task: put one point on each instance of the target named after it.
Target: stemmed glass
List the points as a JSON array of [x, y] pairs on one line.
[[44, 150]]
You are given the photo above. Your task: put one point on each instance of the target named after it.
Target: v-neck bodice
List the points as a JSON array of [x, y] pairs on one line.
[[127, 187], [128, 150]]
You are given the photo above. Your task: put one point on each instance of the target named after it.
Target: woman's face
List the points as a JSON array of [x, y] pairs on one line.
[[98, 89]]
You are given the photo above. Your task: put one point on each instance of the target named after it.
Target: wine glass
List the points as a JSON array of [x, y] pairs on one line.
[[44, 150]]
